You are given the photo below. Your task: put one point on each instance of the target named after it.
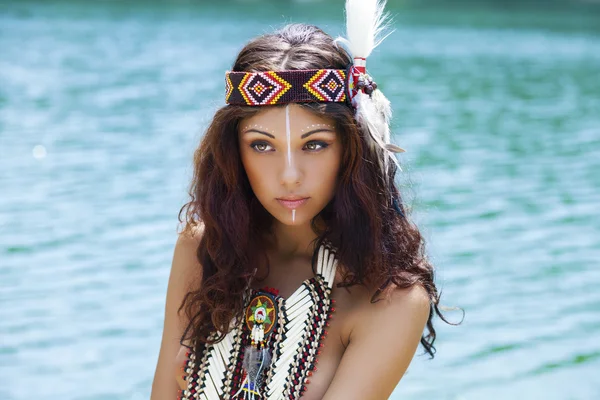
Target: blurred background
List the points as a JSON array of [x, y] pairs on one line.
[[103, 102]]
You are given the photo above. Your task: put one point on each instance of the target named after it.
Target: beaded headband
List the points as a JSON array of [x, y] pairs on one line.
[[366, 21], [298, 86]]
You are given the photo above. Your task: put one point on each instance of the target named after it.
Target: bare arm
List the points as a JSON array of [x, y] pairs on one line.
[[186, 272], [382, 345]]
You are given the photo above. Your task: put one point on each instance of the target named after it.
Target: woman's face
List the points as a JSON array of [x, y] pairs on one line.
[[290, 153]]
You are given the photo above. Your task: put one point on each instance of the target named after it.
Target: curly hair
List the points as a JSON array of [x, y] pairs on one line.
[[366, 220]]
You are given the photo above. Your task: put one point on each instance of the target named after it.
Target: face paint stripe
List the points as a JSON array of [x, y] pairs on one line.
[[288, 134]]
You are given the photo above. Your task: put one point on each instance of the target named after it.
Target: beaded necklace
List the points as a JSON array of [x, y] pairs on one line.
[[272, 351]]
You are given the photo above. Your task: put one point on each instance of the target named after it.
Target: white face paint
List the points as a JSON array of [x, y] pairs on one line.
[[288, 136]]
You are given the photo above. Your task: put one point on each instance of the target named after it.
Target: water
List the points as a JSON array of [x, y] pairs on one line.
[[102, 104]]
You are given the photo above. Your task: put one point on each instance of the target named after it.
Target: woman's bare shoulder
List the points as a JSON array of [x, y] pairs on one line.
[[387, 333], [191, 234], [186, 248], [392, 305], [185, 275], [360, 303]]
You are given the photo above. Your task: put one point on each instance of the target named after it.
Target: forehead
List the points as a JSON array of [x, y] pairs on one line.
[[274, 118]]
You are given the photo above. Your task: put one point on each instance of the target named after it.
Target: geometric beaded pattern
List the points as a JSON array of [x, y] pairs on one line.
[[295, 341], [228, 87], [282, 87], [263, 88], [327, 85]]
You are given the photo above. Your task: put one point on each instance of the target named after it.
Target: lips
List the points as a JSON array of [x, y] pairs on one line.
[[293, 203]]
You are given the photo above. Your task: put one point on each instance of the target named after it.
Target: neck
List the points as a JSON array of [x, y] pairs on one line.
[[292, 241]]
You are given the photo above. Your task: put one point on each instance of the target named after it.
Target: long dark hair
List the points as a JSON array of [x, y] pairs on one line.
[[366, 221]]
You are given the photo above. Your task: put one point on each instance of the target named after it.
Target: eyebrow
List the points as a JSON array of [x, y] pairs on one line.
[[302, 137]]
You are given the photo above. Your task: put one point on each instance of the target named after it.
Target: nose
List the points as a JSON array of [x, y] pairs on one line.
[[291, 174]]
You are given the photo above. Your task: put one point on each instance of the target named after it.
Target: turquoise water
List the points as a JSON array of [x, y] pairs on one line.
[[103, 103]]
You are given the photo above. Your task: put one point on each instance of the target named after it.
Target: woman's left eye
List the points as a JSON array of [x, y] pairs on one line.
[[322, 144]]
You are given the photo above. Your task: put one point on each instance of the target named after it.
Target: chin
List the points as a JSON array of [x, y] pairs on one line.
[[285, 218]]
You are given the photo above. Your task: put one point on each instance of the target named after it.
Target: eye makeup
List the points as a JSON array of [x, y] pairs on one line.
[[322, 146]]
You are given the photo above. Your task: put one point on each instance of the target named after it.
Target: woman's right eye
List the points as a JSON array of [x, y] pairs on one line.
[[260, 147]]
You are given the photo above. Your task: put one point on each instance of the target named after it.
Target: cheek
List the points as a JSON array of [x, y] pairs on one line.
[[325, 170], [258, 173]]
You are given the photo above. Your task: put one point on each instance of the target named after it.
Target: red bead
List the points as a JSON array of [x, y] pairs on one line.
[[307, 381], [332, 309], [315, 367]]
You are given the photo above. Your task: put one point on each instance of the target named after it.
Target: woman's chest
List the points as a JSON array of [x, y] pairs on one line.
[[281, 348], [305, 351]]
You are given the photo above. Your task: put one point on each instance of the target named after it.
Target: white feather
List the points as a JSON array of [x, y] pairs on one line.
[[366, 22], [373, 115]]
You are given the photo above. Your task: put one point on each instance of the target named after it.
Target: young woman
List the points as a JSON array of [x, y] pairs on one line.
[[298, 269]]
